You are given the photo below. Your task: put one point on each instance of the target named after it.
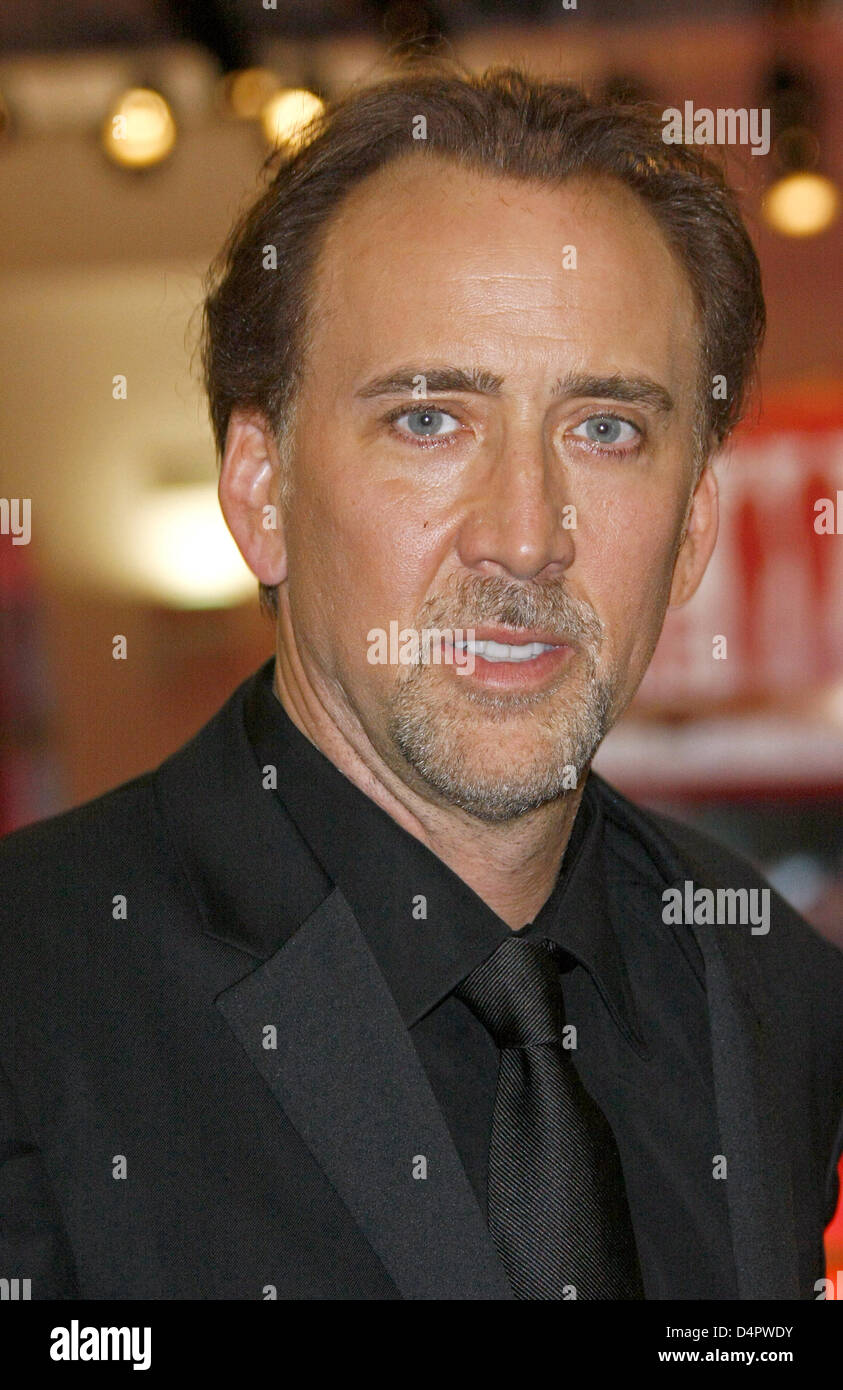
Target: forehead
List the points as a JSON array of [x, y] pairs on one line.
[[426, 256]]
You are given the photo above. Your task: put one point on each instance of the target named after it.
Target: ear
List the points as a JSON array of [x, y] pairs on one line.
[[698, 538], [249, 493]]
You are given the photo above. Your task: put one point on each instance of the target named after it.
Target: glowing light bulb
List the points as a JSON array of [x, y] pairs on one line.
[[286, 114], [139, 130], [248, 90], [181, 552], [801, 204]]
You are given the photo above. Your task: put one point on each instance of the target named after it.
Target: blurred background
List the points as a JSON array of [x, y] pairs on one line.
[[131, 133]]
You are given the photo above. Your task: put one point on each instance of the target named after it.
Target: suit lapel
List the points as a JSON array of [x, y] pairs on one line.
[[750, 1111], [344, 1070], [346, 1073], [746, 1067]]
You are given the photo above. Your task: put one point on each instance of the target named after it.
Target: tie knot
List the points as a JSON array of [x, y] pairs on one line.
[[517, 995]]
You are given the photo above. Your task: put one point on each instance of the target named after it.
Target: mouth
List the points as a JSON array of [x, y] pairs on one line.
[[510, 658]]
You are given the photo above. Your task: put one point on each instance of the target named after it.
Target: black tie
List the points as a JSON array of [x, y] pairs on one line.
[[557, 1205]]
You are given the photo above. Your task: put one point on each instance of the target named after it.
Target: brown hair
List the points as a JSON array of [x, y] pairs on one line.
[[506, 123]]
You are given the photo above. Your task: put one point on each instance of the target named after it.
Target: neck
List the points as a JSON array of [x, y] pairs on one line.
[[511, 865]]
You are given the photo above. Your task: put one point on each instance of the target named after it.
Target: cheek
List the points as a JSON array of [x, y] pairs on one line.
[[359, 557], [632, 572]]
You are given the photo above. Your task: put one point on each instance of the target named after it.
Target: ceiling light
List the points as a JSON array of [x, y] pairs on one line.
[[287, 113], [247, 91], [139, 130], [181, 552], [801, 204]]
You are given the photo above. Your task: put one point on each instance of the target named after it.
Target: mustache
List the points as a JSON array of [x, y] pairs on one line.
[[547, 606]]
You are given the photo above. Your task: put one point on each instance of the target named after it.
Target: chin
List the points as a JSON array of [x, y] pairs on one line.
[[497, 798], [491, 773], [499, 755]]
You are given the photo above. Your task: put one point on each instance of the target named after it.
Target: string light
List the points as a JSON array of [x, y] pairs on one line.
[[247, 91], [286, 115], [139, 130], [801, 204]]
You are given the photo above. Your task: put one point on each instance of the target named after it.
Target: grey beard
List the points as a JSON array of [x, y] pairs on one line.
[[570, 723], [434, 734], [430, 740]]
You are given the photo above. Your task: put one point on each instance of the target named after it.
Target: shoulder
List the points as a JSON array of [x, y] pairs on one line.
[[124, 826], [103, 819], [65, 863], [792, 950], [62, 874]]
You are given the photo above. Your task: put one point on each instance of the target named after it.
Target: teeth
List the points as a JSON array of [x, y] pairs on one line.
[[502, 651]]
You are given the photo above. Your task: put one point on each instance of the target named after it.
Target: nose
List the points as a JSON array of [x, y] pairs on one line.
[[521, 520]]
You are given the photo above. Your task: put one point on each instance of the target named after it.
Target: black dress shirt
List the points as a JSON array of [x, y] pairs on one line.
[[634, 988]]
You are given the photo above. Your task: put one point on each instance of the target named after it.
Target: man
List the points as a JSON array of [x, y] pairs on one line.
[[392, 1005]]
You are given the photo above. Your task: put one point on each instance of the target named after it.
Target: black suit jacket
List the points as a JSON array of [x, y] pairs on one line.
[[213, 1096]]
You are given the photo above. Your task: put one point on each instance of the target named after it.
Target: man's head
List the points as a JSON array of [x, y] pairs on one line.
[[479, 380]]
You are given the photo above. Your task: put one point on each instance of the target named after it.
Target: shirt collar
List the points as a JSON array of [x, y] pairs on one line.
[[426, 928]]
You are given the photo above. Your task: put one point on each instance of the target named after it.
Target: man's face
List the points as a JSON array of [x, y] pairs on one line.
[[525, 496]]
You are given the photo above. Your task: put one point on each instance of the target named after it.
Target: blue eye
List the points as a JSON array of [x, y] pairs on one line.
[[607, 430], [427, 423]]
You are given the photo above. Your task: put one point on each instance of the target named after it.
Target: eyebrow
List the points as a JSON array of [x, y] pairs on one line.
[[633, 390], [405, 379]]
